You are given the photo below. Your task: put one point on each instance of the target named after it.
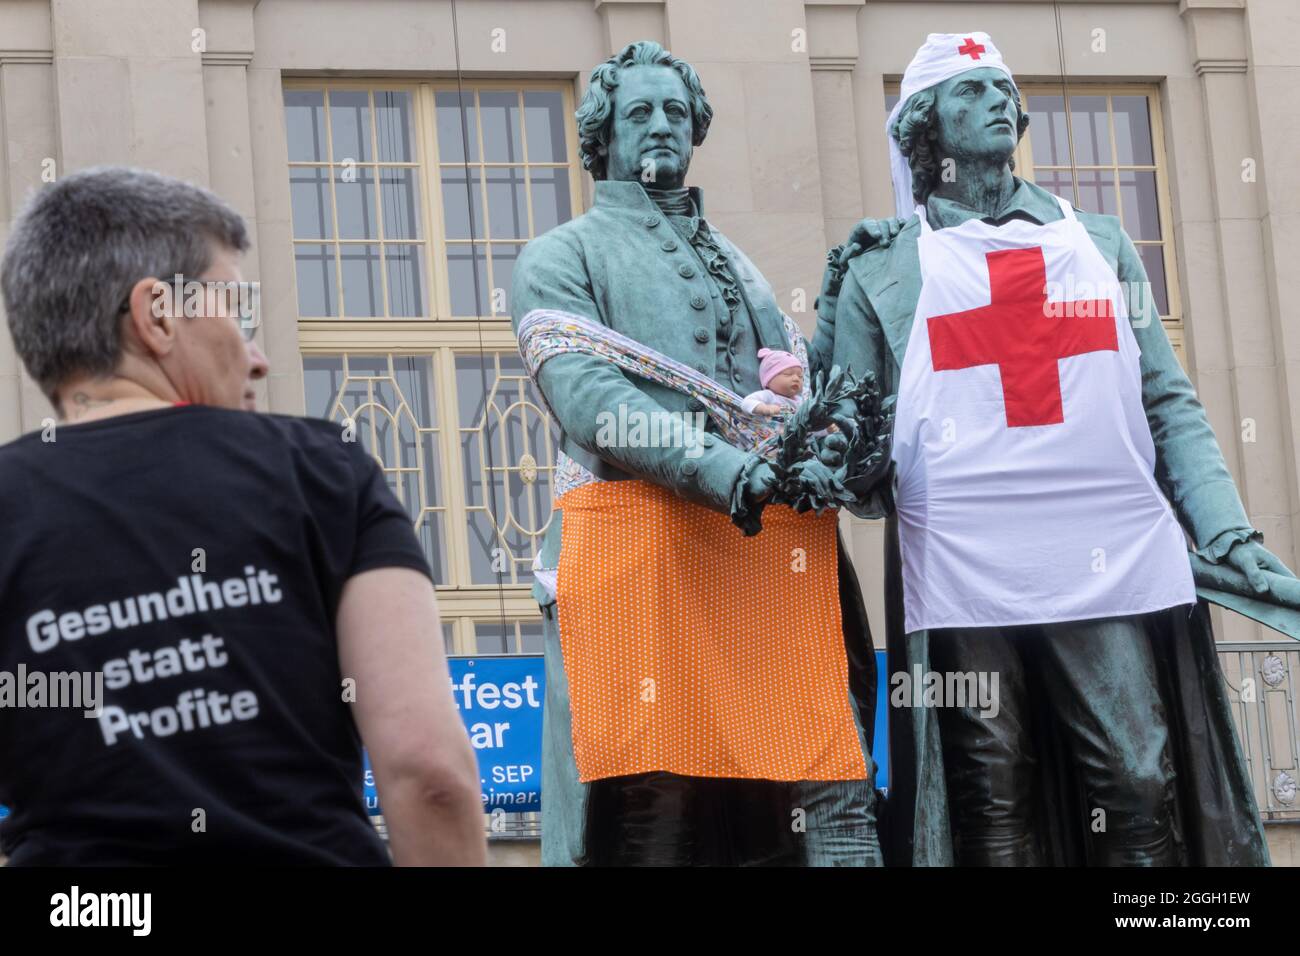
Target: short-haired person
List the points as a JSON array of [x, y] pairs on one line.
[[248, 586]]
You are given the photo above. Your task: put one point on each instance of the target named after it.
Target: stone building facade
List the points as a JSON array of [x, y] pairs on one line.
[[392, 156]]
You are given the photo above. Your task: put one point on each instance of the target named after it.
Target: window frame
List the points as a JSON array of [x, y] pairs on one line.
[[460, 598], [438, 335], [428, 167], [1173, 320]]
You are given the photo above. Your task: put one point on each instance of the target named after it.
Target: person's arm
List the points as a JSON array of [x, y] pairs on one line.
[[859, 347], [390, 643], [822, 344], [867, 234], [551, 274], [1189, 464]]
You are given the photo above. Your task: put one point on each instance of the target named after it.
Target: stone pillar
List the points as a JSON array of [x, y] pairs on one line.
[[129, 85], [762, 184], [1258, 442], [31, 155], [833, 56], [274, 221], [1272, 82], [228, 52], [626, 21]]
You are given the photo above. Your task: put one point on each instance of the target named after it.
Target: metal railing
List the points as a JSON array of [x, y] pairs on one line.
[[497, 826], [1262, 679]]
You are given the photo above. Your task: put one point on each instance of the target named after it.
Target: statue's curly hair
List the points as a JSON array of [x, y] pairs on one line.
[[917, 129], [597, 107]]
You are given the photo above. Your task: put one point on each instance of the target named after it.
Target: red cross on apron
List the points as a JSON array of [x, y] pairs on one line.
[[1022, 336]]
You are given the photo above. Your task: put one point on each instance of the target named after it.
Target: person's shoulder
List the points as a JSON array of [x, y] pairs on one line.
[[19, 449], [217, 427], [561, 240], [298, 430], [321, 446], [867, 267], [291, 431], [560, 248], [1108, 235], [1099, 224], [190, 419]]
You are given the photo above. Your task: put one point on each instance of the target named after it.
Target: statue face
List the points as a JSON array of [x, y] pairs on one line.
[[978, 111], [650, 135]]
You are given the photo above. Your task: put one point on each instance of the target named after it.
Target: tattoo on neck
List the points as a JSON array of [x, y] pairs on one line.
[[82, 403]]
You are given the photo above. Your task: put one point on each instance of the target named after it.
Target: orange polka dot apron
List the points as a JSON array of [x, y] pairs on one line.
[[688, 647], [693, 649]]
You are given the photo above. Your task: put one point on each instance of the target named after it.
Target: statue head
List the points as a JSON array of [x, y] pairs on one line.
[[642, 116], [973, 118]]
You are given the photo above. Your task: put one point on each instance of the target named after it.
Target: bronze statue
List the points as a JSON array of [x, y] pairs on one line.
[[1048, 454]]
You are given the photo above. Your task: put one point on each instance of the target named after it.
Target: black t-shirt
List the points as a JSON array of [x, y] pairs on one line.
[[195, 557]]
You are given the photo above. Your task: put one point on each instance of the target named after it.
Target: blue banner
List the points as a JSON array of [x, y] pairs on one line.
[[368, 786], [880, 740], [500, 701]]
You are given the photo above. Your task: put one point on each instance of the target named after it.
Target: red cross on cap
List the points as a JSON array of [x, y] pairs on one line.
[[971, 49]]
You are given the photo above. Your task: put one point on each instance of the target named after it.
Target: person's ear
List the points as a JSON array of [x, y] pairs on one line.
[[152, 316]]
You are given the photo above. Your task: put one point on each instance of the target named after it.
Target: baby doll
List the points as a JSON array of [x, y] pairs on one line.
[[782, 378]]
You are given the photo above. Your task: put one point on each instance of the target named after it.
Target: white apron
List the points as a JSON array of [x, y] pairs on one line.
[[1024, 465]]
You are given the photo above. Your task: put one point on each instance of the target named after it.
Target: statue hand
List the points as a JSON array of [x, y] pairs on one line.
[[865, 235], [760, 483], [869, 233], [833, 447], [1252, 559], [814, 484]]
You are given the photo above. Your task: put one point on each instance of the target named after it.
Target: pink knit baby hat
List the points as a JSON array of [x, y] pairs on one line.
[[773, 363]]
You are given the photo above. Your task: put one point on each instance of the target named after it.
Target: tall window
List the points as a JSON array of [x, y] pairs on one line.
[[411, 203], [504, 151], [1106, 155], [358, 234], [1102, 157]]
